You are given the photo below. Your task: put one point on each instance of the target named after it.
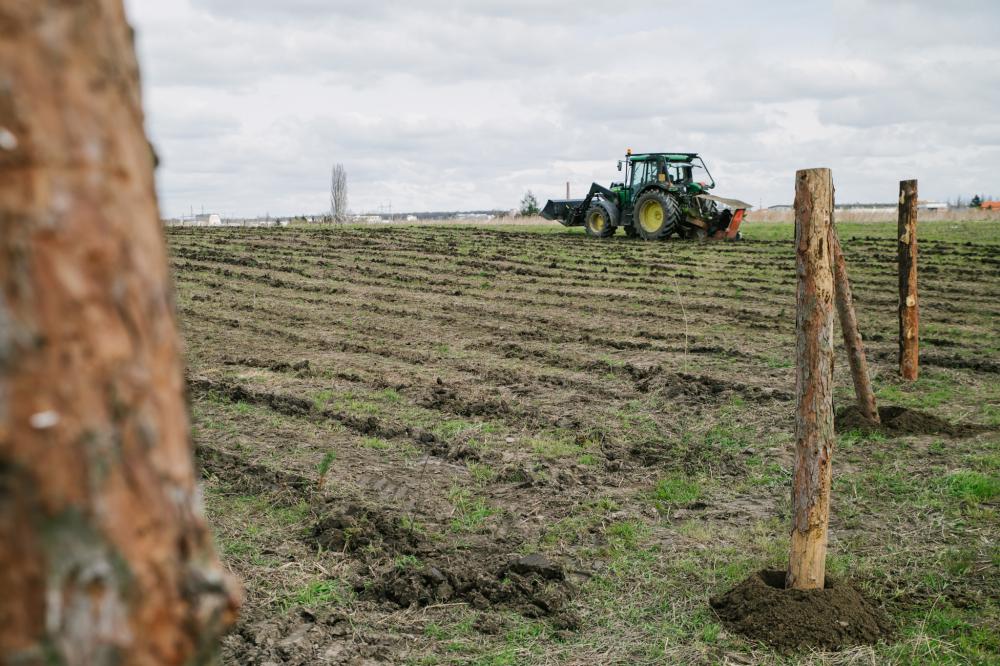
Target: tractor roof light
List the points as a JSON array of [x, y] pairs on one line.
[[628, 151]]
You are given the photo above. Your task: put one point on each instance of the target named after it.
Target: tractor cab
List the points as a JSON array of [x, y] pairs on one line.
[[675, 171]]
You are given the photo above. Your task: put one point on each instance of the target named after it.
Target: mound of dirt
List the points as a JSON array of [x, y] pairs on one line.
[[355, 526], [532, 585], [900, 421], [833, 618]]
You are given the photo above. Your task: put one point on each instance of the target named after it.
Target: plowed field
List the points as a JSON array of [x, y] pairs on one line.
[[437, 445]]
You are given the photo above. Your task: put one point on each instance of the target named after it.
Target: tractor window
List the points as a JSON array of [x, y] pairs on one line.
[[641, 172]]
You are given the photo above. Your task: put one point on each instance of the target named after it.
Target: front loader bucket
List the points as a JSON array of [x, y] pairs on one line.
[[562, 211]]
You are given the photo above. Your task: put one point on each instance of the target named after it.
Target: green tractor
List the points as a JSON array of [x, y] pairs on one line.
[[659, 197]]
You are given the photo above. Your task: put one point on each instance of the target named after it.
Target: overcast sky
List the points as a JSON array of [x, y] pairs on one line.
[[447, 105]]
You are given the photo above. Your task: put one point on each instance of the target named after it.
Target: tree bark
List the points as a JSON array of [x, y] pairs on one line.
[[814, 435], [909, 310], [852, 333], [105, 557]]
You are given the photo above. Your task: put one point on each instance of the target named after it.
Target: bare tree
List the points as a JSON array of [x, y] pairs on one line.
[[105, 557], [338, 194]]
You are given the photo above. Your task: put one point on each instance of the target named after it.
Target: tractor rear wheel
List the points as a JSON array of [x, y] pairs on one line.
[[656, 215], [597, 222]]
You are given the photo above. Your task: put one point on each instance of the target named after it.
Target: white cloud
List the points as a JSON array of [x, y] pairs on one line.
[[441, 104]]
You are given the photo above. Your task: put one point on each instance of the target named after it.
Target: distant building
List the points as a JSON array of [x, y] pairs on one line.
[[208, 219], [866, 207], [990, 205]]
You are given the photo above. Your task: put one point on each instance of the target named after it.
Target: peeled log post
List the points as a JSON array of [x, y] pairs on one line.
[[909, 310], [105, 556], [852, 333], [814, 435]]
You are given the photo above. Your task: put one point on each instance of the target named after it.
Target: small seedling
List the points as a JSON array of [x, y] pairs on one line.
[[324, 468]]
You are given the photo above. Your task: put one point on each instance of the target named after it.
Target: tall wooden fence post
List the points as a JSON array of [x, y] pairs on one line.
[[852, 333], [814, 436], [105, 557], [909, 310]]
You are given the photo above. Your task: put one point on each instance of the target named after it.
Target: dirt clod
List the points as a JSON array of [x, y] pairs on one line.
[[833, 618], [537, 563]]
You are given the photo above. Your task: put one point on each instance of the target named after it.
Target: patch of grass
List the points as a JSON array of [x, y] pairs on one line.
[[625, 535], [287, 516], [410, 524], [376, 443], [470, 512], [972, 487], [676, 490], [848, 440], [943, 634], [452, 428], [388, 395], [933, 389], [728, 437], [318, 593], [320, 399], [776, 362], [404, 562], [767, 475], [481, 473], [556, 445]]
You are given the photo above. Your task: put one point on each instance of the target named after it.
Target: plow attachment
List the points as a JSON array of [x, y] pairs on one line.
[[739, 211]]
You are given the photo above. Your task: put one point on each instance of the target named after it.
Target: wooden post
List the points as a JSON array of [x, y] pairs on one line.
[[814, 436], [105, 557], [852, 334], [567, 189], [909, 310]]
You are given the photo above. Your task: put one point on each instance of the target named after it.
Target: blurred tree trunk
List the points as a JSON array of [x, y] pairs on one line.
[[104, 555]]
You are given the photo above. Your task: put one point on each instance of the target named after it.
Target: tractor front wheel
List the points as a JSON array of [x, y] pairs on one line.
[[656, 215], [597, 222]]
